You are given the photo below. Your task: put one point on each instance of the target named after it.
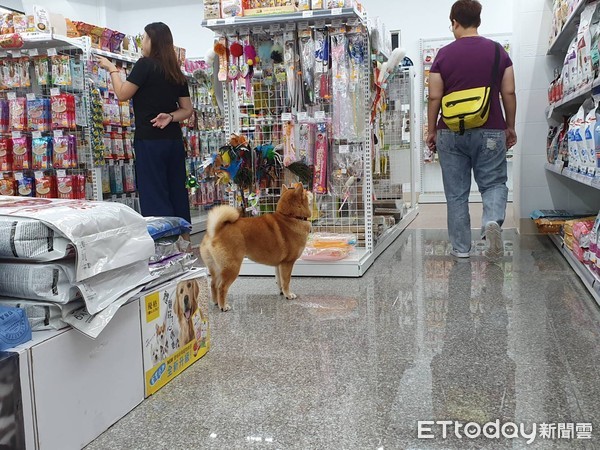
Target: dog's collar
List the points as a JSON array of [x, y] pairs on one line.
[[305, 219]]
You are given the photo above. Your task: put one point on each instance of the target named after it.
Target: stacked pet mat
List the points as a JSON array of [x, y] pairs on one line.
[[71, 262], [172, 253]]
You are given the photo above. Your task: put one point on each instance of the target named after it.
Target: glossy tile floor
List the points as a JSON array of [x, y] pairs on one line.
[[356, 363]]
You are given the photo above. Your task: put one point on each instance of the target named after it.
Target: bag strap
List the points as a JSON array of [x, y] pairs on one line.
[[496, 65]]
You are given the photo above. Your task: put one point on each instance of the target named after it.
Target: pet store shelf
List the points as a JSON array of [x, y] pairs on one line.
[[44, 41], [352, 267], [116, 56], [593, 182], [574, 99], [590, 280], [312, 17], [561, 43]]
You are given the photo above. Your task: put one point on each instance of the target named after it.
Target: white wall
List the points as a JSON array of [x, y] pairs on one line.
[[90, 12], [430, 19]]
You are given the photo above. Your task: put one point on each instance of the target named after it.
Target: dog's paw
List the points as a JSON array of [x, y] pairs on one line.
[[291, 296], [225, 308]]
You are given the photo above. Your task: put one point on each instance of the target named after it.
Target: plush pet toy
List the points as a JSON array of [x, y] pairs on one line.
[[221, 51]]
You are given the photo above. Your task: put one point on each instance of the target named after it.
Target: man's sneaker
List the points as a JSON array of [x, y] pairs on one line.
[[458, 254], [493, 236]]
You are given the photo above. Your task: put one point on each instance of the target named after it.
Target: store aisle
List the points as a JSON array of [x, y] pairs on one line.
[[355, 363]]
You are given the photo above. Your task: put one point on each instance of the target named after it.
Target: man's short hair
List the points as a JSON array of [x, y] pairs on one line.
[[467, 13]]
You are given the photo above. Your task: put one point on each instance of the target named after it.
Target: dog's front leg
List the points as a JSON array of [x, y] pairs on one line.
[[285, 275], [278, 279]]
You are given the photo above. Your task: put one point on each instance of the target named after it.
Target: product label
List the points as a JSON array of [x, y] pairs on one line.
[[152, 306]]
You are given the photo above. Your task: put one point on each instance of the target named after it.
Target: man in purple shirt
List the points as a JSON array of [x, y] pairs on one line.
[[468, 63]]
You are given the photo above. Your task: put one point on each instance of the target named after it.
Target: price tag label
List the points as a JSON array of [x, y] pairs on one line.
[[229, 20], [302, 116], [61, 173], [38, 174], [16, 53], [336, 12], [52, 52], [211, 22], [36, 134], [16, 134], [18, 176], [306, 14], [344, 149], [3, 54], [30, 96], [119, 130], [319, 115], [33, 52], [274, 28], [286, 117], [54, 92], [11, 95], [58, 133], [108, 128]]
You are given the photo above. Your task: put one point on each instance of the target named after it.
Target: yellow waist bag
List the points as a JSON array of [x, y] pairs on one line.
[[469, 108]]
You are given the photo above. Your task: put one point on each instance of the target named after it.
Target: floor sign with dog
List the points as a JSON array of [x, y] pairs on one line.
[[175, 328]]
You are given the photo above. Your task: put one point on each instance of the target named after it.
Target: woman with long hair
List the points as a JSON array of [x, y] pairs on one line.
[[161, 99]]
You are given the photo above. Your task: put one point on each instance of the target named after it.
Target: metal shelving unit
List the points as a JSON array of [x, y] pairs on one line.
[[359, 216], [593, 182]]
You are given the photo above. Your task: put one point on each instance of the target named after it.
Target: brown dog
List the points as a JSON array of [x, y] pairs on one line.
[[276, 239], [186, 304]]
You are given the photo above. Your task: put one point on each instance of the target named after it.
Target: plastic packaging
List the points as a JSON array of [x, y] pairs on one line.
[[14, 327], [161, 227], [106, 235]]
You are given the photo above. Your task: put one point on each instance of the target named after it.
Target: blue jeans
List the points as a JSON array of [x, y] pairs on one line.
[[484, 152]]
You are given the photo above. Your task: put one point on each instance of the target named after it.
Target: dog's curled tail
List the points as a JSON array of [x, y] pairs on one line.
[[219, 216]]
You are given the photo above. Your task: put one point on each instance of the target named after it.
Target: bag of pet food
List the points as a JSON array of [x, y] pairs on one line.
[[584, 45], [55, 282], [589, 136], [31, 239], [160, 227], [105, 235], [41, 315]]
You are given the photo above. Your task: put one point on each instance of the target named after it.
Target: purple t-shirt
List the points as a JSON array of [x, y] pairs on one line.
[[467, 63]]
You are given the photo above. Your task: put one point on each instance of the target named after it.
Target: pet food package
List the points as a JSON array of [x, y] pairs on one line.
[[54, 282], [31, 239], [14, 327], [175, 327], [106, 235], [41, 315], [6, 156], [161, 227]]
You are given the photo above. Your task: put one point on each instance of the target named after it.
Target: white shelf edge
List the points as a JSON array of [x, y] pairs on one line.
[[579, 94], [589, 279], [592, 182], [118, 56]]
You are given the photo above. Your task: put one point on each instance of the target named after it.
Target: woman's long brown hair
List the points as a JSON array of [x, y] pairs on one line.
[[163, 51]]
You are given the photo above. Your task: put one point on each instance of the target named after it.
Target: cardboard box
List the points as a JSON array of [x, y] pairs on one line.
[[74, 388], [175, 331]]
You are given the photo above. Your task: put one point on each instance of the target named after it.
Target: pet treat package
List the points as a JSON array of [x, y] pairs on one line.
[[105, 235], [175, 328], [160, 227]]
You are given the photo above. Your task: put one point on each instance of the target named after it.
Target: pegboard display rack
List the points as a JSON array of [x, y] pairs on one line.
[[346, 200]]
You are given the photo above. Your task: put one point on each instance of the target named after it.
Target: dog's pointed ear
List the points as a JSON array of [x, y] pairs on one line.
[[283, 188], [299, 187]]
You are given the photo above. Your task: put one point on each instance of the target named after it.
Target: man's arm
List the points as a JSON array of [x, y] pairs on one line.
[[509, 101], [436, 91]]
